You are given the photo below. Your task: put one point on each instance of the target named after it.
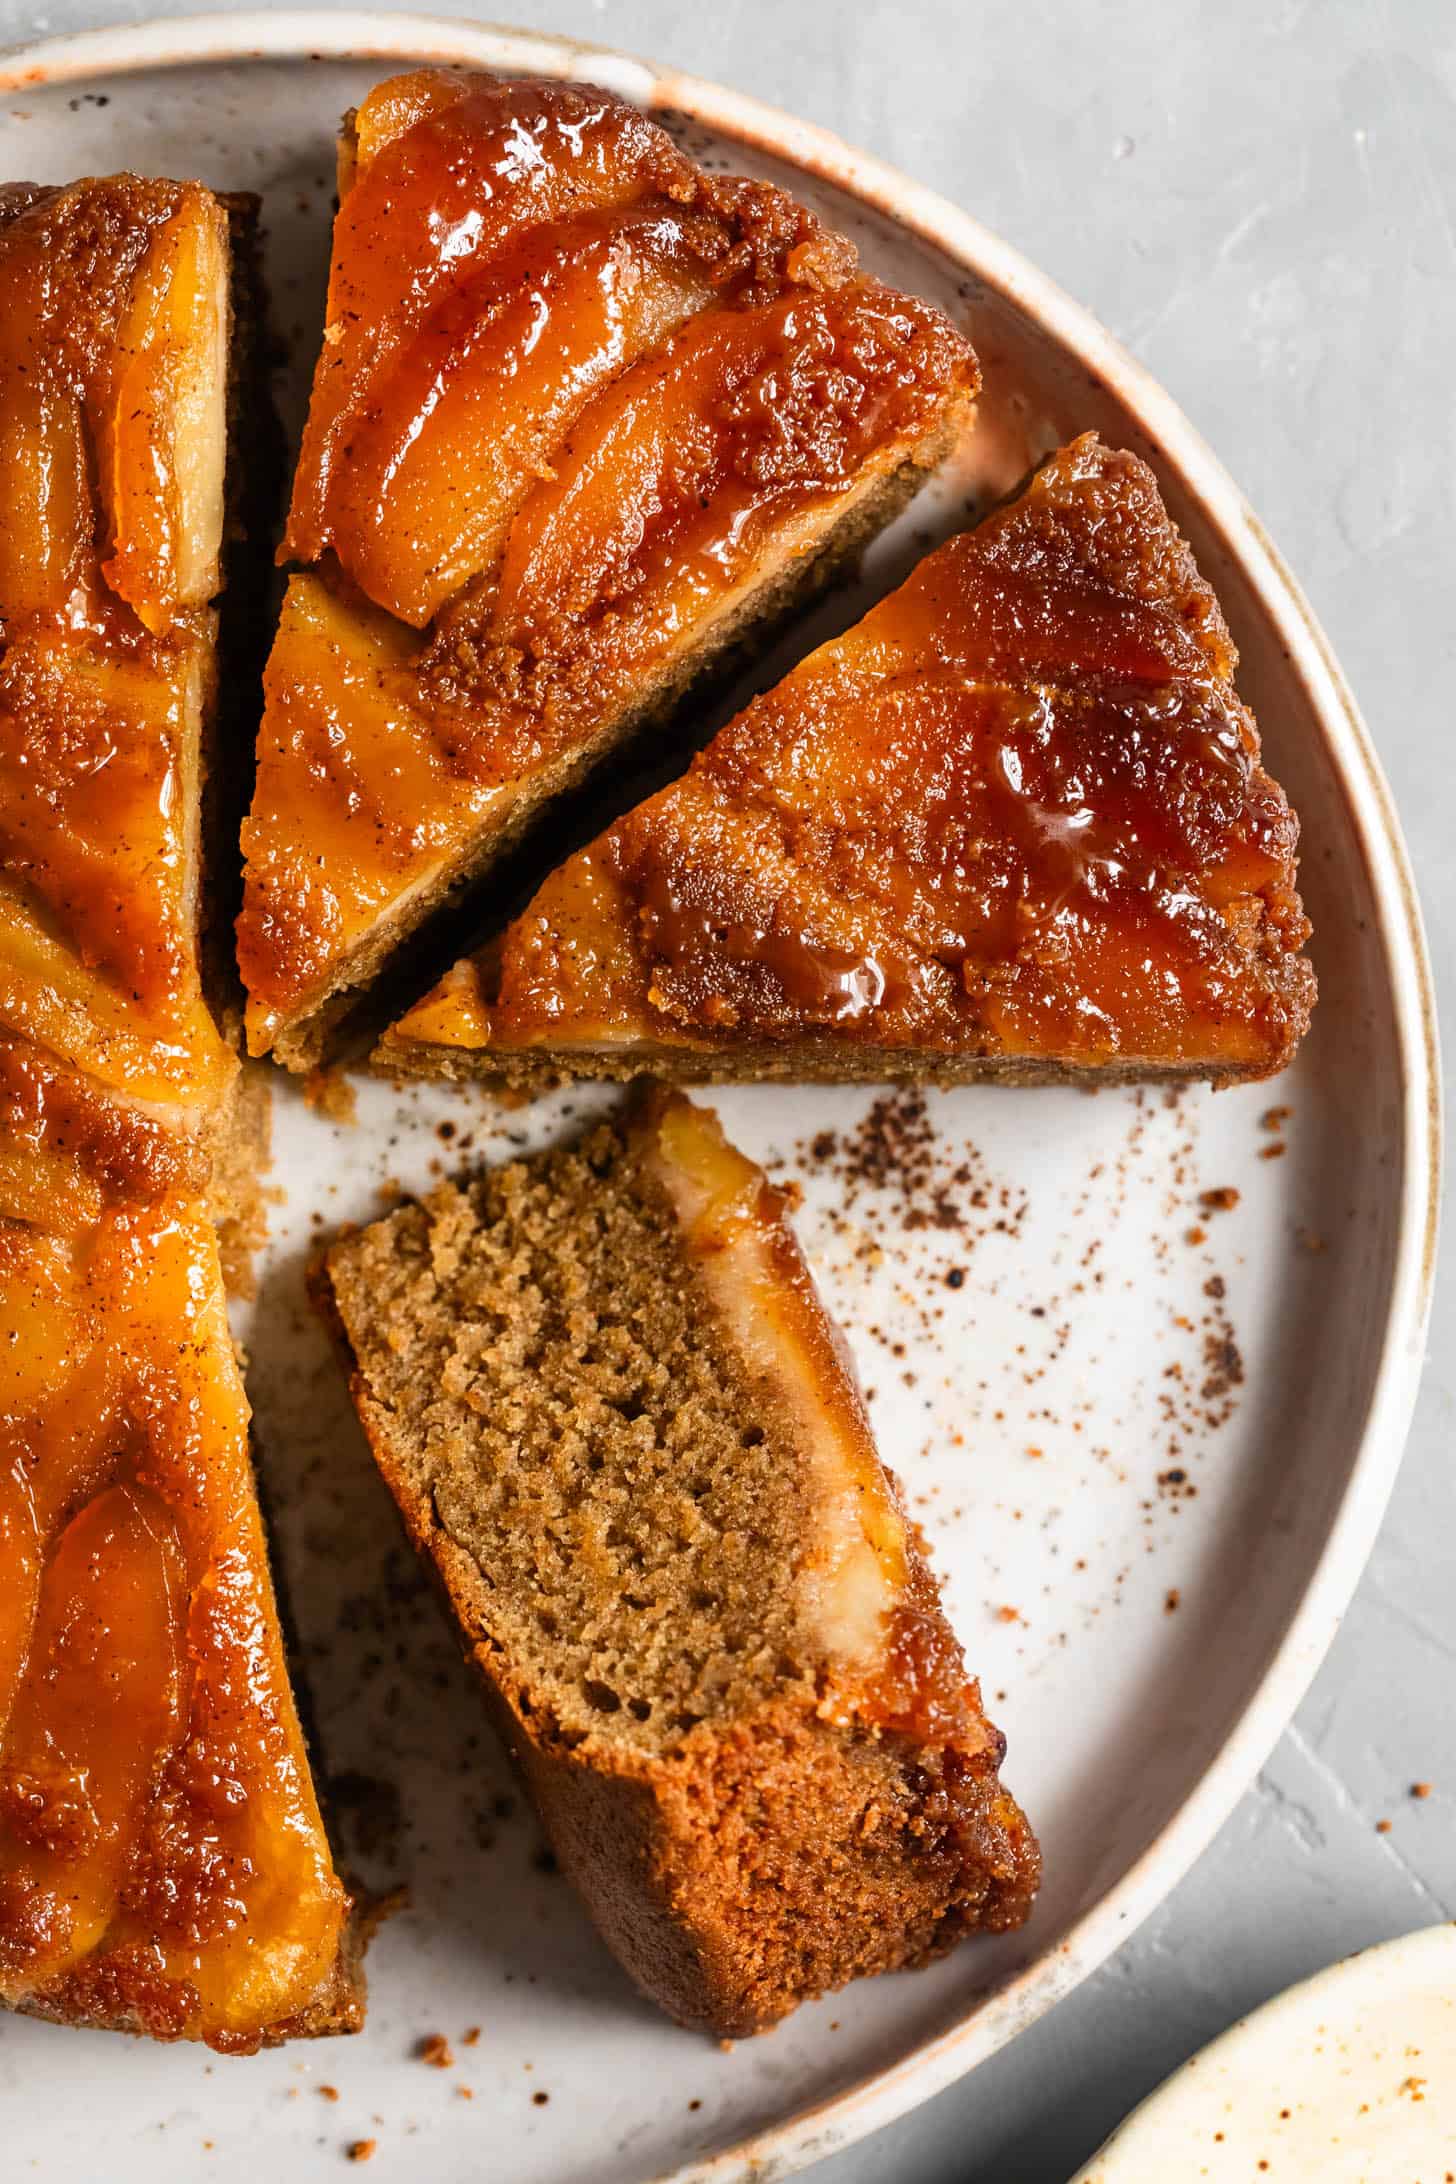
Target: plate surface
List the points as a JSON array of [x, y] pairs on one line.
[[1349, 2077], [1145, 1364]]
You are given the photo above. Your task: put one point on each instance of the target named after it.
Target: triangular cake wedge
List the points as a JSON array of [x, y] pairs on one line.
[[614, 1413], [1012, 825], [586, 417], [163, 1865]]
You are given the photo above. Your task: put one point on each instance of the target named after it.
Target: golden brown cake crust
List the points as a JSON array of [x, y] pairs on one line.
[[712, 1770], [1013, 824]]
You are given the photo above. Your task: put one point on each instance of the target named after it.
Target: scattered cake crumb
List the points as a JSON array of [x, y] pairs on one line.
[[539, 2099], [471, 2036], [1382, 1827], [362, 2149], [328, 2092], [1171, 1600], [435, 2050], [1420, 1789], [331, 1095], [1222, 1200]]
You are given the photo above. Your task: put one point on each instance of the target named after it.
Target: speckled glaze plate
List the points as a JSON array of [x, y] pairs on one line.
[[1145, 1364], [1349, 2077]]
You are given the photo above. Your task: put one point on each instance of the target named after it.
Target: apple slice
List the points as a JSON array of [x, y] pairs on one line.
[[160, 418], [46, 554], [434, 204], [97, 1711], [463, 424]]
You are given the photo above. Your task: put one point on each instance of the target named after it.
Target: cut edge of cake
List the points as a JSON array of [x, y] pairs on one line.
[[848, 1763], [723, 648]]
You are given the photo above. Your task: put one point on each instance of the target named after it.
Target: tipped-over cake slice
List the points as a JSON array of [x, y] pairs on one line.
[[584, 418], [1013, 824], [607, 1398], [163, 1865]]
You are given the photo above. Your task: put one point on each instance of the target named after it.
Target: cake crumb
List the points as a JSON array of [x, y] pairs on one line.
[[1420, 1789], [435, 2050], [1222, 1200], [539, 2099], [471, 2036], [1171, 1600], [330, 1094], [1382, 1827], [362, 2149], [328, 2092]]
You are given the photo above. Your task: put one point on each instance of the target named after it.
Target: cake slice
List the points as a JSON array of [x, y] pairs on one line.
[[607, 1398], [164, 1868], [586, 416], [114, 349], [1012, 825], [163, 1865]]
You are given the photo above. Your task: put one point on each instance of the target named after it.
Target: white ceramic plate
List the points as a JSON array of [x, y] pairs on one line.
[[1150, 1443], [1349, 2077]]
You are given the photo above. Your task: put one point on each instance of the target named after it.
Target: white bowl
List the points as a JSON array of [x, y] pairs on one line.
[[1349, 2077], [1133, 1729]]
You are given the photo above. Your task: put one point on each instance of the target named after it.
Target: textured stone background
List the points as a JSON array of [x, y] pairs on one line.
[[1259, 198]]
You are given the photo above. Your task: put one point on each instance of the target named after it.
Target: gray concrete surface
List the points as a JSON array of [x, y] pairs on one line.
[[1259, 198]]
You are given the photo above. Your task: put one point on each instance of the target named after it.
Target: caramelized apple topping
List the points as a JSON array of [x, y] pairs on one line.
[[113, 356], [1018, 811], [154, 1795], [577, 401], [113, 376]]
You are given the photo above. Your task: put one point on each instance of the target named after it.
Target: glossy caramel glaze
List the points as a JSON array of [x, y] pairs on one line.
[[577, 400], [1017, 812], [163, 1866], [113, 348], [69, 1149]]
